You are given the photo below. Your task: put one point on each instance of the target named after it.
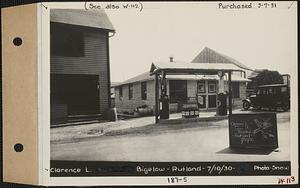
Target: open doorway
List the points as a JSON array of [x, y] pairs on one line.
[[75, 94]]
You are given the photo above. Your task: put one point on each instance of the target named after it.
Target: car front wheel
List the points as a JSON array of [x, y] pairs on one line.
[[246, 105]]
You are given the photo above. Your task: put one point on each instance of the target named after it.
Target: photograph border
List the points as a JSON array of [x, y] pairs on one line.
[[44, 126]]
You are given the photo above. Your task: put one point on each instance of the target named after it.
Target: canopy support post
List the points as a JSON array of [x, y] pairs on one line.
[[156, 98], [230, 93], [163, 84]]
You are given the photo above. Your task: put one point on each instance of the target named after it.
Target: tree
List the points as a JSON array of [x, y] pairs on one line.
[[266, 77]]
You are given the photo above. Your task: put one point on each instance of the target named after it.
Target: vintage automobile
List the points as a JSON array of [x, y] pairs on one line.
[[270, 97]]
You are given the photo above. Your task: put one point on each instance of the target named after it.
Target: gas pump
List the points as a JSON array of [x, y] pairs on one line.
[[222, 104], [164, 107], [164, 100], [222, 96]]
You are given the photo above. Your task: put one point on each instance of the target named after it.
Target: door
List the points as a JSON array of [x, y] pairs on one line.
[[212, 101], [212, 94], [79, 93]]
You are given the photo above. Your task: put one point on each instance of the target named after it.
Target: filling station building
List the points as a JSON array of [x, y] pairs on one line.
[[140, 90]]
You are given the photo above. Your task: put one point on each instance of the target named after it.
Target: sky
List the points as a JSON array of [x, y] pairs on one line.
[[259, 38]]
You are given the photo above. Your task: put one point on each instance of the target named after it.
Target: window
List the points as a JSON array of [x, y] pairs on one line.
[[276, 90], [211, 87], [235, 89], [144, 90], [130, 91], [265, 91], [120, 92], [201, 87], [283, 89], [259, 92], [66, 40], [178, 91], [270, 90], [201, 101]]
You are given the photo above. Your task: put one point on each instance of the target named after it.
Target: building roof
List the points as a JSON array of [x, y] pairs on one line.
[[208, 55], [146, 77], [234, 78], [112, 84], [202, 64], [139, 78], [192, 68], [272, 85], [255, 73], [90, 18]]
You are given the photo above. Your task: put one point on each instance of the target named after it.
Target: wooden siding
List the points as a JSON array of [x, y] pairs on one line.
[[94, 62], [125, 104], [59, 112], [191, 88]]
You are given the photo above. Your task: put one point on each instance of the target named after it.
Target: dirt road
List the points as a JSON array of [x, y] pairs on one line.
[[201, 141]]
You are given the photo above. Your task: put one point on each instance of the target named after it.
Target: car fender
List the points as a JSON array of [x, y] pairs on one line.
[[246, 100]]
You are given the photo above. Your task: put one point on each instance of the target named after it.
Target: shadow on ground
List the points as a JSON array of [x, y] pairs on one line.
[[163, 128], [246, 151]]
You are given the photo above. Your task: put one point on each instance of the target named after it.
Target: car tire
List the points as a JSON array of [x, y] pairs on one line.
[[246, 105]]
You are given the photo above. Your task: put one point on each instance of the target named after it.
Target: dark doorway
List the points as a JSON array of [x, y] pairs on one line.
[[212, 101], [79, 93]]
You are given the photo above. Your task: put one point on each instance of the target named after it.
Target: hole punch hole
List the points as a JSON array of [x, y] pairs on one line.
[[18, 147], [17, 41]]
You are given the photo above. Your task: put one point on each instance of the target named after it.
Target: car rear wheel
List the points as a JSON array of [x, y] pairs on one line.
[[246, 105]]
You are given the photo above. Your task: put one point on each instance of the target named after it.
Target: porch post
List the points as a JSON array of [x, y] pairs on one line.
[[163, 84], [156, 98], [230, 93]]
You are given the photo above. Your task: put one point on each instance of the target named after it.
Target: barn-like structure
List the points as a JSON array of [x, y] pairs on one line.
[[79, 64]]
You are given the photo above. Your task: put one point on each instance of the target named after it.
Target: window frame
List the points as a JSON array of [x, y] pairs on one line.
[[120, 92], [130, 91], [204, 86], [215, 86], [283, 89], [144, 90]]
